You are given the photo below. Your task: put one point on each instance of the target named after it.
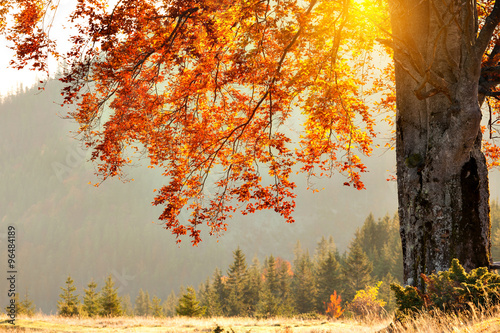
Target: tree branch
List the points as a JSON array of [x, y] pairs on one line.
[[486, 32]]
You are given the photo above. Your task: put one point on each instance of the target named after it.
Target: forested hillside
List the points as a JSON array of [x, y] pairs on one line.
[[66, 226]]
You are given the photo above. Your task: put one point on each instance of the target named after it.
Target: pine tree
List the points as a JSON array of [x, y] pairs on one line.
[[357, 269], [69, 304], [170, 304], [156, 308], [188, 305], [109, 300], [91, 303], [303, 283], [237, 275]]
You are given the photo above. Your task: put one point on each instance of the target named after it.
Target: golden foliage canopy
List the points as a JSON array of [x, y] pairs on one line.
[[207, 90]]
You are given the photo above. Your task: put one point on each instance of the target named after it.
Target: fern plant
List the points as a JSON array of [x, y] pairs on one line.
[[453, 290]]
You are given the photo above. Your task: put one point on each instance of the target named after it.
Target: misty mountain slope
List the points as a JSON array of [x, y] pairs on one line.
[[65, 226]]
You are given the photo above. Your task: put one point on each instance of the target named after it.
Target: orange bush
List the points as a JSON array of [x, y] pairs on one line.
[[333, 308]]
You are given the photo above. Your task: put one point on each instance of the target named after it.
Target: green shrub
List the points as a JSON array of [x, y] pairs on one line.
[[454, 291]]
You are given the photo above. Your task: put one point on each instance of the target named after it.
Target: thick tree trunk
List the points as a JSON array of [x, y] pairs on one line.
[[442, 175]]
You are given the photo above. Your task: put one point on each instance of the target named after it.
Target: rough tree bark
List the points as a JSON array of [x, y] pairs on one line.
[[442, 174]]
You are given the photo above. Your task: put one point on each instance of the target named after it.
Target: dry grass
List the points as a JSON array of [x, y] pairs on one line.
[[41, 323], [474, 321]]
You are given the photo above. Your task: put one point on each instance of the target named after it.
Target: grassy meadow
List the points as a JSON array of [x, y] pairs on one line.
[[488, 322]]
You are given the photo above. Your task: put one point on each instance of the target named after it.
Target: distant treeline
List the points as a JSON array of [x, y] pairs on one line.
[[276, 287]]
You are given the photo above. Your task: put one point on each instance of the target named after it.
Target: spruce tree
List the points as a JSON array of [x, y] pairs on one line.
[[253, 287], [156, 308], [139, 304], [495, 230], [24, 307], [495, 245], [328, 280], [357, 269], [109, 300], [285, 274], [269, 299], [126, 304], [237, 274], [91, 303], [170, 304], [324, 247], [209, 300], [221, 292], [188, 305], [386, 294], [147, 305], [268, 305], [143, 305], [68, 305], [303, 283], [381, 243]]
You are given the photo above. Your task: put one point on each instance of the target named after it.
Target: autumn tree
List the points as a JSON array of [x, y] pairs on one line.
[[446, 65], [203, 85]]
